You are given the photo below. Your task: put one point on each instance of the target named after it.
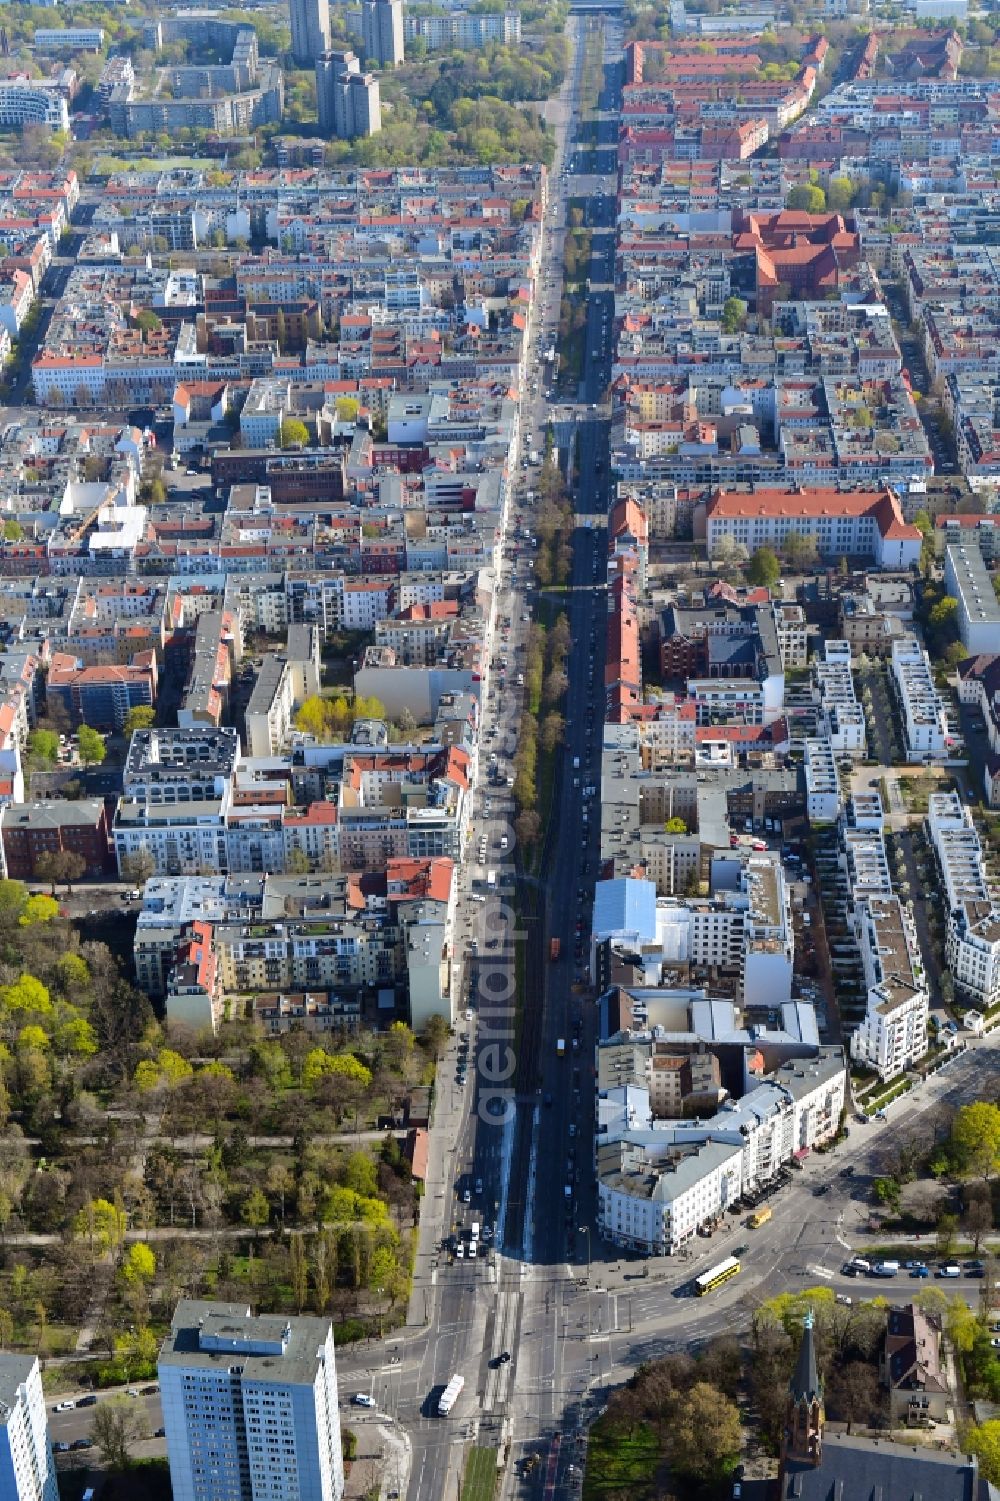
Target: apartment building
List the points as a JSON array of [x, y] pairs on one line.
[[463, 29], [823, 794], [925, 723], [269, 713], [658, 1187], [893, 1035], [172, 904], [793, 635], [967, 579], [178, 765], [842, 717], [193, 992], [250, 1405], [347, 99], [382, 32], [30, 830], [972, 945], [769, 944], [744, 931], [185, 836], [101, 696], [310, 25], [863, 859], [27, 1468], [25, 101]]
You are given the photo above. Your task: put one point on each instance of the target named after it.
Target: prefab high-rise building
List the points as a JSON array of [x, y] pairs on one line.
[[27, 1469], [382, 32], [310, 21], [347, 100], [250, 1406]]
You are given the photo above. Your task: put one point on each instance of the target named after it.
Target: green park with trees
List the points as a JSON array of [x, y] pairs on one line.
[[112, 1128]]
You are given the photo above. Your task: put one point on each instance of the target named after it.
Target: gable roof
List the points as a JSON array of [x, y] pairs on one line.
[[857, 1469]]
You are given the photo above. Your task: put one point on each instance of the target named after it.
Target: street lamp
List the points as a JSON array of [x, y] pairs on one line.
[[585, 1230]]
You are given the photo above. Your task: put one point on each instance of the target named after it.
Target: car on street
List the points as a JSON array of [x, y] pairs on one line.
[[60, 1448], [81, 1443], [362, 1399], [64, 1407]]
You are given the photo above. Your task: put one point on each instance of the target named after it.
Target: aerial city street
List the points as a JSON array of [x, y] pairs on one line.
[[500, 751]]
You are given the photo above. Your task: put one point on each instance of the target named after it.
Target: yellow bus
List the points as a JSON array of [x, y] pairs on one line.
[[716, 1276], [760, 1217]]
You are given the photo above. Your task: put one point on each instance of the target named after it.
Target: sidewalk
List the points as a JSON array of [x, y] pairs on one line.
[[436, 1210], [382, 1457]]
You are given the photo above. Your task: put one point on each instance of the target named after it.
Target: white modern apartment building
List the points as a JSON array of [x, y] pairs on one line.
[[959, 852], [658, 1185], [793, 635], [182, 838], [893, 1034], [250, 1406], [823, 798], [833, 686], [972, 946], [27, 101], [768, 939], [865, 862], [27, 1469], [967, 579], [924, 721]]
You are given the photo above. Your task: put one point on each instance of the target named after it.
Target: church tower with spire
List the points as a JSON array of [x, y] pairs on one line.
[[803, 1439]]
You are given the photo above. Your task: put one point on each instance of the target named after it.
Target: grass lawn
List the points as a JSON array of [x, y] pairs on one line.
[[619, 1460], [480, 1475], [107, 163]]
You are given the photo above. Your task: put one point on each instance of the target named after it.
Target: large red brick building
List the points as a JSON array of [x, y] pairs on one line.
[[28, 830]]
